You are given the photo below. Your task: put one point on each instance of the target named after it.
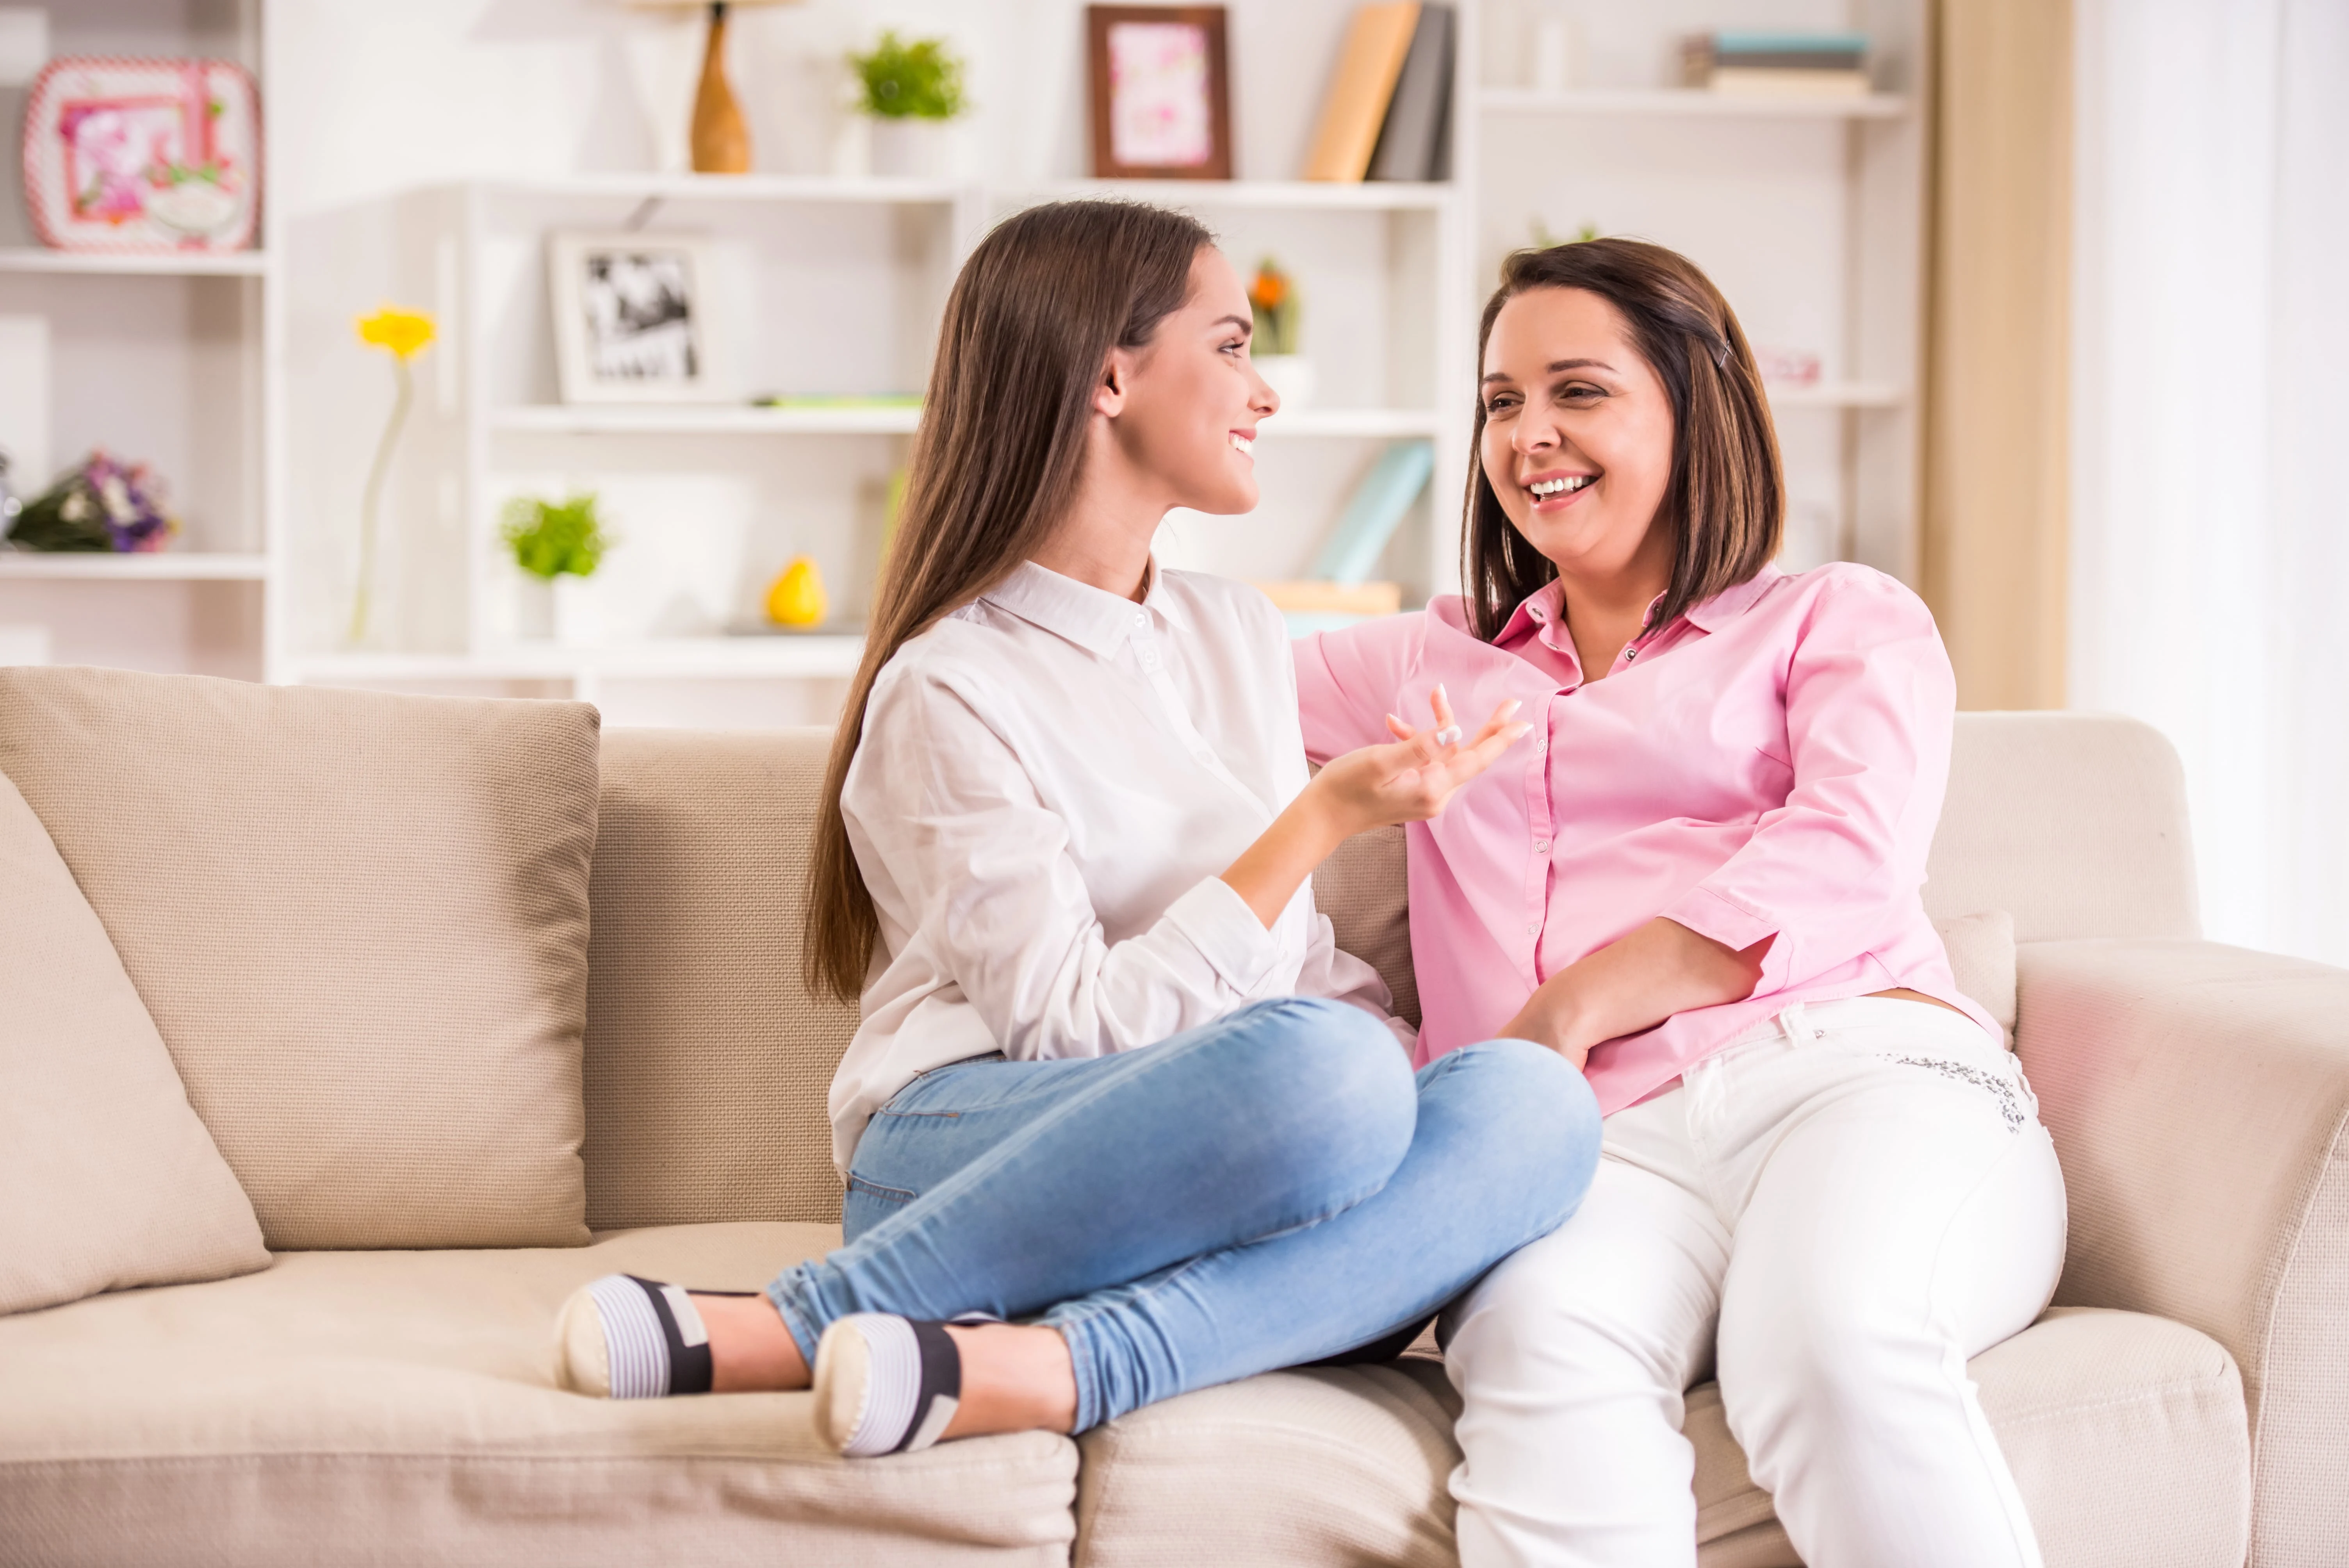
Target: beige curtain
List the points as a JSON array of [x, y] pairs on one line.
[[1997, 431]]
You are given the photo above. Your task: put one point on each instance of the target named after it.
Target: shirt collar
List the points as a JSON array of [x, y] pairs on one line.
[[1094, 619], [1730, 603], [1540, 607]]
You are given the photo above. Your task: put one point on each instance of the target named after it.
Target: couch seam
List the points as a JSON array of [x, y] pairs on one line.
[[2305, 1203]]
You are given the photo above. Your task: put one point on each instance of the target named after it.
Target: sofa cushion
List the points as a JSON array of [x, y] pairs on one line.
[[1361, 888], [358, 921], [2073, 823], [2127, 1435], [1981, 958], [401, 1406], [708, 1060], [110, 1179]]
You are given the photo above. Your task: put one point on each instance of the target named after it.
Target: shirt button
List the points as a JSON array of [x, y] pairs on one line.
[[1540, 747], [1142, 617], [1530, 930], [1541, 846]]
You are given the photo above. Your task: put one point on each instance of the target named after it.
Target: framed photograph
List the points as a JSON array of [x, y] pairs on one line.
[[1161, 92], [633, 319]]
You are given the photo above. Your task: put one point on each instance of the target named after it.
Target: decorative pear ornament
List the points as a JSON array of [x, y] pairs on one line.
[[796, 597]]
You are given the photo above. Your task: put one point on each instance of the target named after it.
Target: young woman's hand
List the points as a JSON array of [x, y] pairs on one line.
[[1412, 779], [1409, 781], [1634, 983]]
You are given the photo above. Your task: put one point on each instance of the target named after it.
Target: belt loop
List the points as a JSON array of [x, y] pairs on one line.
[[1794, 1023]]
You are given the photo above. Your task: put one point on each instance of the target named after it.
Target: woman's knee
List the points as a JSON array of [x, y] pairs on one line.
[[1328, 1081], [1539, 1122]]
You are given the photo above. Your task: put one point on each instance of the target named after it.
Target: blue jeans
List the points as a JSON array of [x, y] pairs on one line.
[[1272, 1189]]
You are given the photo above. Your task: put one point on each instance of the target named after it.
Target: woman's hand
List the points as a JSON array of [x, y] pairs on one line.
[[1414, 778], [1409, 781], [1633, 983]]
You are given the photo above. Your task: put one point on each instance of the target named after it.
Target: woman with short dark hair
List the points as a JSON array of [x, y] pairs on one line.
[[1700, 882]]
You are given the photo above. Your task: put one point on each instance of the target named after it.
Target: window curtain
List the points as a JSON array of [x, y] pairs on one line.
[[1996, 486], [2210, 535]]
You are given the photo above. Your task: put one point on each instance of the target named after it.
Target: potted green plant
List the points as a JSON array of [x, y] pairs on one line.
[[558, 544], [908, 90]]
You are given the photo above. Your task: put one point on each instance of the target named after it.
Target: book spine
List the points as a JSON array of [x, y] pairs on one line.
[[1360, 89], [1374, 511]]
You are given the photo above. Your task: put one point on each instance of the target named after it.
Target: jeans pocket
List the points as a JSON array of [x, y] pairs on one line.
[[2001, 1080]]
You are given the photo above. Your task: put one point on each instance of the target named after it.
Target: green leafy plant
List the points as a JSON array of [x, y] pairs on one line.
[[916, 81], [549, 538]]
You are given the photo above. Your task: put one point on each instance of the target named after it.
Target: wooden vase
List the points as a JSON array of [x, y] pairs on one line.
[[721, 143]]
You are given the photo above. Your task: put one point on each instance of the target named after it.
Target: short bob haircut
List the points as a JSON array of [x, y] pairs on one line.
[[1725, 503]]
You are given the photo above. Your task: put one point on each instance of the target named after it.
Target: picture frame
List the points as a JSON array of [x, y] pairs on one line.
[[1161, 91], [142, 156], [634, 318]]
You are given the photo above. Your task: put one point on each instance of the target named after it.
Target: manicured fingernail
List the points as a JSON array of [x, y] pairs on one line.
[[1510, 707], [1440, 692]]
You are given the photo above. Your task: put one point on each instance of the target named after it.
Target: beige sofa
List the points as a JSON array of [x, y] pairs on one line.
[[2186, 1404]]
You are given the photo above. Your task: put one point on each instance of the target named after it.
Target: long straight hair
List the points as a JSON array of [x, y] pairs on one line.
[[1028, 328], [1726, 500]]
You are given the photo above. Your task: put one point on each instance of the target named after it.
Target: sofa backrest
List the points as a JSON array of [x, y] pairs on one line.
[[708, 1061]]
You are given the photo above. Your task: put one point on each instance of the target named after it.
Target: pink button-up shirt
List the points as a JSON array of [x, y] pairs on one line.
[[1769, 765]]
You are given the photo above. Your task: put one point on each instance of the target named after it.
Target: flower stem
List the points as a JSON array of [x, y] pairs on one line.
[[371, 499]]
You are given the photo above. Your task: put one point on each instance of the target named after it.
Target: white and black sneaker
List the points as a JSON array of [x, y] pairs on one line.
[[885, 1384], [623, 1338]]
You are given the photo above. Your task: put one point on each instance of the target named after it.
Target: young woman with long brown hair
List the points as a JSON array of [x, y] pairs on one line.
[[1112, 1068], [1823, 1174]]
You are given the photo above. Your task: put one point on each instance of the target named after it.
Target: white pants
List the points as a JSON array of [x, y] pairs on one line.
[[1847, 1203]]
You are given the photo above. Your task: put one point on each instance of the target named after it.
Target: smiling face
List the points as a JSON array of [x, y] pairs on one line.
[[1578, 441], [1191, 400]]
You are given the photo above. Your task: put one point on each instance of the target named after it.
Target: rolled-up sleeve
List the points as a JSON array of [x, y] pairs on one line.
[[961, 851], [1870, 701]]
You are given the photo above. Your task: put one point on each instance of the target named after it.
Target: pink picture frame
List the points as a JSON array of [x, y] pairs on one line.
[[143, 157]]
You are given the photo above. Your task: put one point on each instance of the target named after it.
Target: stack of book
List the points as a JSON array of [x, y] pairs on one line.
[[1389, 112], [1778, 65]]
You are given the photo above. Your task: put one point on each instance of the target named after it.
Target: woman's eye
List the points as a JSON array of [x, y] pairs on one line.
[[1499, 406], [1580, 393], [1235, 346]]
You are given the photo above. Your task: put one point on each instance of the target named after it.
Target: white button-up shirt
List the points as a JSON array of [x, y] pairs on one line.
[[1050, 781]]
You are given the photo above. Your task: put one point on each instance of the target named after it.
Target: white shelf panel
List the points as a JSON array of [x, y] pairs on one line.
[[1836, 395], [593, 420], [814, 656], [1363, 422], [158, 566], [193, 264], [590, 419], [1695, 101], [808, 190], [1370, 195]]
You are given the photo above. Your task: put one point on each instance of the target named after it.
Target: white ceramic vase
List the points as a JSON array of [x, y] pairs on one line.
[[908, 148], [578, 611], [1290, 375]]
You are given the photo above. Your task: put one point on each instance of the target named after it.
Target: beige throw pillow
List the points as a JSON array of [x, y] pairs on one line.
[[1982, 956], [358, 921], [109, 1179]]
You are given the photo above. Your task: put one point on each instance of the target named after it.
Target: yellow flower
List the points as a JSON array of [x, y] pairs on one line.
[[404, 332]]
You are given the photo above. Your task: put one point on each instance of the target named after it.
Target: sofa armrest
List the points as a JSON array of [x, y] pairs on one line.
[[2199, 1097]]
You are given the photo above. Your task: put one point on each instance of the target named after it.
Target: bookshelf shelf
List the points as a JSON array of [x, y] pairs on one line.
[[162, 566], [1837, 395], [77, 264], [1688, 101], [816, 656], [614, 420], [1303, 195], [808, 190]]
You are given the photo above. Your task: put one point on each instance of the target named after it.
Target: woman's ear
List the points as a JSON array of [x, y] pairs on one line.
[[1117, 375]]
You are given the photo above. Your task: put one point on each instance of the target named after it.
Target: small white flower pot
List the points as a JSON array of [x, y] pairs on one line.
[[910, 149], [578, 612], [1288, 374]]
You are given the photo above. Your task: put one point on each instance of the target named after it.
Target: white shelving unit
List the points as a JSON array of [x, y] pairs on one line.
[[1807, 211], [172, 360]]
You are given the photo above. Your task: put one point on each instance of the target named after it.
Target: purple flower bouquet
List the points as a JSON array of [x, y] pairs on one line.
[[102, 505]]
